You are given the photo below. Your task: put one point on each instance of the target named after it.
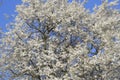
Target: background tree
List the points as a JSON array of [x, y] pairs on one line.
[[57, 40]]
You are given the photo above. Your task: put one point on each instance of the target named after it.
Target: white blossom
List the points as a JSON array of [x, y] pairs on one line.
[[49, 38]]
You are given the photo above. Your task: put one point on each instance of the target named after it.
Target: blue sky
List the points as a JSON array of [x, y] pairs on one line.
[[8, 8]]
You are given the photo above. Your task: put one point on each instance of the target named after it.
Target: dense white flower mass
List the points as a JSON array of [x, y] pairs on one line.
[[58, 40]]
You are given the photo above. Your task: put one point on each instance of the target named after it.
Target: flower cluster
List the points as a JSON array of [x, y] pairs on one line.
[[58, 40]]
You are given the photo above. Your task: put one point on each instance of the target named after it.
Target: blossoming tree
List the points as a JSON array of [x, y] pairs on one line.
[[61, 40]]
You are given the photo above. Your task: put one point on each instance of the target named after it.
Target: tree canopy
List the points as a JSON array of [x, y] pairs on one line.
[[58, 40]]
